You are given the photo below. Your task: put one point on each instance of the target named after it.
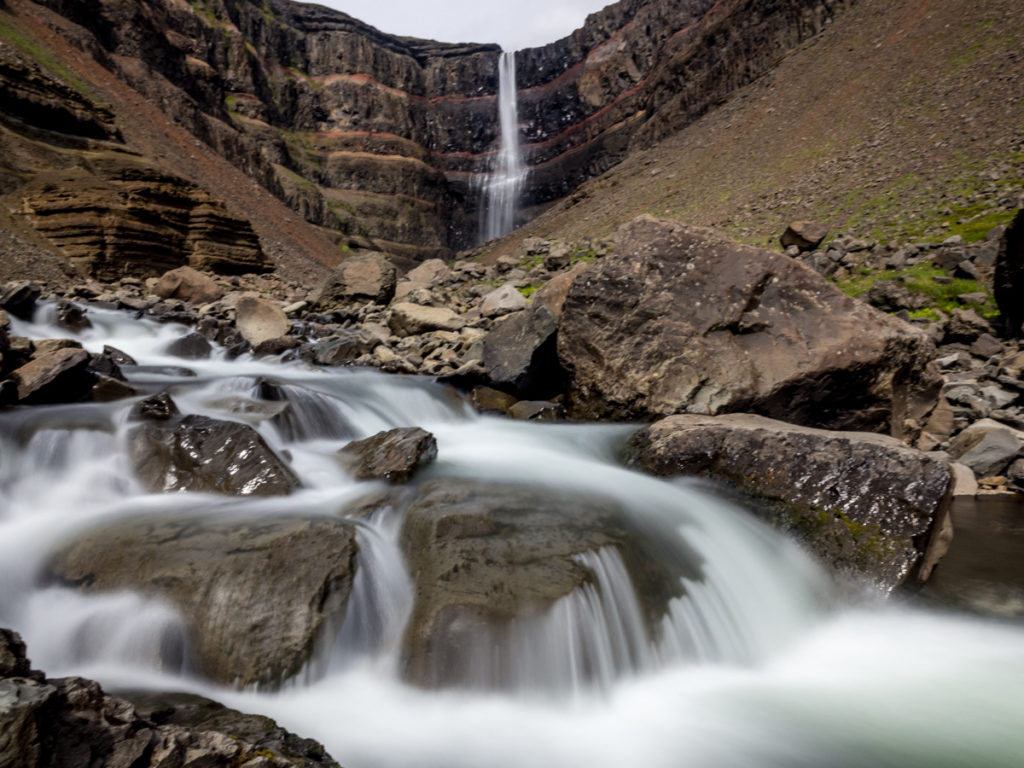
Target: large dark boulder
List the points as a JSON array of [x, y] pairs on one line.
[[870, 507], [199, 453], [1008, 285], [60, 376], [682, 320], [520, 354], [73, 722], [393, 455], [486, 556], [256, 593]]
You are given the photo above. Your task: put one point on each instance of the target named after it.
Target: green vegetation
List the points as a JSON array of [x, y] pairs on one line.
[[920, 279]]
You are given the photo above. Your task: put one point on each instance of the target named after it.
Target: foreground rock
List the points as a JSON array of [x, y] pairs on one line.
[[520, 354], [485, 556], [256, 593], [870, 507], [682, 320], [199, 453], [72, 722], [1008, 286], [393, 455]]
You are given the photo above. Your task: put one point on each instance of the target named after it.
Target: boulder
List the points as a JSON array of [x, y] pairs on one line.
[[393, 455], [490, 400], [805, 235], [60, 376], [430, 272], [520, 354], [485, 556], [198, 453], [409, 319], [988, 447], [188, 285], [1008, 284], [865, 503], [552, 294], [19, 299], [683, 320], [965, 326], [192, 346], [537, 410], [365, 277], [343, 347], [72, 316], [502, 301], [260, 320], [73, 722], [256, 593]]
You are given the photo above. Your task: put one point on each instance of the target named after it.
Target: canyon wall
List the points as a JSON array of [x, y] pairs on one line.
[[383, 141]]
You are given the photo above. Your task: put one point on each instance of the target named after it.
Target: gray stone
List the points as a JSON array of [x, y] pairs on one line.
[[60, 376], [192, 346], [259, 319], [502, 301], [986, 346], [409, 319], [520, 354], [394, 455], [987, 447], [188, 285], [363, 277], [804, 235]]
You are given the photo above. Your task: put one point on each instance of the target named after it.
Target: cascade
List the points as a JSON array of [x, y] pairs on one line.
[[505, 182], [754, 663]]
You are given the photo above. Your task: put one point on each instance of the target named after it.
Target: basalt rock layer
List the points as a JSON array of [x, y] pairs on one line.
[[384, 140]]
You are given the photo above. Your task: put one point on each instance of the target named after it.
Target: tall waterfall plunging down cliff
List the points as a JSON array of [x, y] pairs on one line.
[[505, 182]]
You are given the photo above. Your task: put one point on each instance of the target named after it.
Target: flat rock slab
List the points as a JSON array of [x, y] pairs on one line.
[[682, 320], [394, 455], [60, 376], [866, 504], [255, 592], [409, 319]]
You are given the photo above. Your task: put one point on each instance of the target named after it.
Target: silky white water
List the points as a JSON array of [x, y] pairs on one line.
[[758, 664], [504, 184]]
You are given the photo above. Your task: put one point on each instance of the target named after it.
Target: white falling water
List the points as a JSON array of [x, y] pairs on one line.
[[505, 182]]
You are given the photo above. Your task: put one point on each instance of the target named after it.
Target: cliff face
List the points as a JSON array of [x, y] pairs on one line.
[[384, 141]]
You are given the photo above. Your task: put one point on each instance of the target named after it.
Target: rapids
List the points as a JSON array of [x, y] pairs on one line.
[[761, 663]]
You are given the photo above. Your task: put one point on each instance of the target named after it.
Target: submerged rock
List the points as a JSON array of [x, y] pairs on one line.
[[682, 320], [870, 507], [393, 455], [255, 592], [73, 722]]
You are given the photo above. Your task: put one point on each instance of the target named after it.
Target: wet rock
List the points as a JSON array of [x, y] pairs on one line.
[[198, 453], [681, 319], [987, 447], [188, 285], [260, 320], [409, 319], [394, 455], [489, 400], [502, 301], [275, 347], [344, 347], [804, 235], [72, 317], [537, 410], [1008, 284], [520, 354], [365, 277], [486, 556], [159, 407], [256, 593], [19, 299], [61, 376], [866, 504], [107, 389], [193, 346]]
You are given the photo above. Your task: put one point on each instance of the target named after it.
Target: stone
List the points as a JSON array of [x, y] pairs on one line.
[[192, 346], [364, 277], [188, 285], [490, 400], [19, 299], [681, 319], [966, 270], [199, 453], [409, 319], [964, 482], [107, 389], [892, 296], [1015, 475], [60, 376], [537, 410], [159, 407], [552, 294], [865, 503], [394, 455], [804, 235], [486, 556], [986, 346], [430, 272], [259, 320], [255, 592], [987, 447], [558, 257], [520, 355], [1008, 283], [344, 347], [502, 301], [72, 317]]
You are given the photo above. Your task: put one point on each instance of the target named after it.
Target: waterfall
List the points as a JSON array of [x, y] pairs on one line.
[[505, 182]]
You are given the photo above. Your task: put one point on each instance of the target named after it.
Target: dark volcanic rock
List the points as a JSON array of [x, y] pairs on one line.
[[197, 453], [20, 299], [393, 455], [486, 556], [805, 235], [73, 722], [1008, 286], [520, 355], [866, 504], [681, 319], [192, 346], [61, 376], [255, 592]]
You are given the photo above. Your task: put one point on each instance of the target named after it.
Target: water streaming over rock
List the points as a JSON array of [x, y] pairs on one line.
[[504, 184], [756, 662]]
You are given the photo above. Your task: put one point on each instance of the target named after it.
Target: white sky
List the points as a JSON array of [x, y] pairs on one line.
[[514, 24]]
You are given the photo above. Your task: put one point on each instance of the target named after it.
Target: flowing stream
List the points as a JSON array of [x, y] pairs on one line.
[[759, 663], [505, 182]]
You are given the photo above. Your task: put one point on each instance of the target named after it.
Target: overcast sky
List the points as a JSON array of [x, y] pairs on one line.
[[514, 24]]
